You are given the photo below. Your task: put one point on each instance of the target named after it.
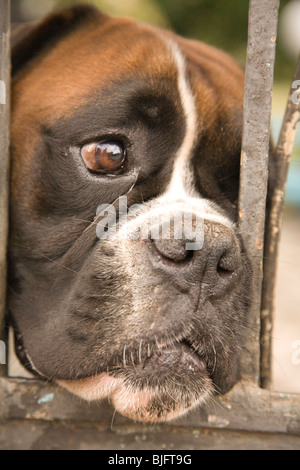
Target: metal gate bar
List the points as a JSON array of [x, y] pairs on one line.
[[282, 158], [4, 152], [262, 31]]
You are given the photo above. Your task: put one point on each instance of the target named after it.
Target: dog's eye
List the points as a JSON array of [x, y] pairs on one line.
[[107, 156]]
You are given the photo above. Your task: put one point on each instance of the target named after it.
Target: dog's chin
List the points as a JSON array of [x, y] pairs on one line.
[[162, 387]]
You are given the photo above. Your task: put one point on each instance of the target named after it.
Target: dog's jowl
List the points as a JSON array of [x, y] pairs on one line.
[[143, 301]]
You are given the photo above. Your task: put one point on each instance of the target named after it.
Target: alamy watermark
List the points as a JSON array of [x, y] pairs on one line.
[[295, 95], [2, 92], [2, 101], [2, 352], [142, 222], [296, 354]]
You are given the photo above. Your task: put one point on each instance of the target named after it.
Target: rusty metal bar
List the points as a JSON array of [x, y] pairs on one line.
[[4, 152], [253, 409], [262, 31], [282, 159]]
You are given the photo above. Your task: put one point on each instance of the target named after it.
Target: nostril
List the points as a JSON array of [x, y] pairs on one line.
[[223, 272], [228, 263], [172, 250]]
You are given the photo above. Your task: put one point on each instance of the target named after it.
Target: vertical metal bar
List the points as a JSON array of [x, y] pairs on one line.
[[4, 151], [282, 159], [262, 30]]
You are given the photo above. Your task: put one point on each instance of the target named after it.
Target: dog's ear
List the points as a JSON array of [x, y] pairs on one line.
[[30, 39]]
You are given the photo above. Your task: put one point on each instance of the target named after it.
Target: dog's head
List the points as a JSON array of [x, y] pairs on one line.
[[128, 278]]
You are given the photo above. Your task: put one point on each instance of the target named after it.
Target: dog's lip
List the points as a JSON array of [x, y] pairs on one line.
[[178, 356], [134, 396], [180, 353]]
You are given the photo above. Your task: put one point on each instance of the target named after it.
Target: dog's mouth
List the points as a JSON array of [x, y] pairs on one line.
[[164, 385], [178, 356], [181, 354]]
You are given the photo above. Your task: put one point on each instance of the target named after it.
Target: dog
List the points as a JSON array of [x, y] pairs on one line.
[[110, 115]]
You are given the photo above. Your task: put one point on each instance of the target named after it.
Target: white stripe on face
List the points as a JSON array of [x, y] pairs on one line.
[[181, 172], [182, 186]]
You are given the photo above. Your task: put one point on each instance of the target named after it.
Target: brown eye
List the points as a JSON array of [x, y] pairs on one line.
[[104, 157]]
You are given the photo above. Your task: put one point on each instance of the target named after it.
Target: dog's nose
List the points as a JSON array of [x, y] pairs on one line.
[[172, 250], [213, 266]]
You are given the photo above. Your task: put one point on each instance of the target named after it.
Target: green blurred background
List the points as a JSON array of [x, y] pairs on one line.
[[222, 23]]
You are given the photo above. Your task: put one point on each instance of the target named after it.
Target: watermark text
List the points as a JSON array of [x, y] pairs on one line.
[[2, 352], [140, 222], [296, 353], [2, 92], [295, 95]]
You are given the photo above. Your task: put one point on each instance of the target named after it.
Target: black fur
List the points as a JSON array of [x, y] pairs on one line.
[[46, 34]]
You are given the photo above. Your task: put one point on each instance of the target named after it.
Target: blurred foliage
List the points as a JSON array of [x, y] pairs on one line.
[[222, 24], [217, 22], [148, 11]]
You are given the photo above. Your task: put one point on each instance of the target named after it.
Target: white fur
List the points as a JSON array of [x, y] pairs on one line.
[[181, 187]]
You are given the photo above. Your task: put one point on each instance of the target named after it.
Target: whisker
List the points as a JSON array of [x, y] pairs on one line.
[[140, 351], [124, 356], [112, 420], [46, 257]]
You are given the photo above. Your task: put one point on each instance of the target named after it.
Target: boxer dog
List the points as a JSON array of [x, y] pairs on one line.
[[107, 110]]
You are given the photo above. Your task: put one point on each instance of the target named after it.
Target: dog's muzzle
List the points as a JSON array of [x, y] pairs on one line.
[[166, 362]]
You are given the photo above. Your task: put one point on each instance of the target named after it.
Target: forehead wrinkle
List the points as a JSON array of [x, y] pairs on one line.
[[121, 106]]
